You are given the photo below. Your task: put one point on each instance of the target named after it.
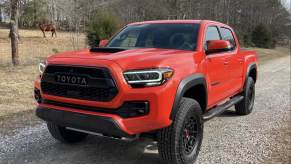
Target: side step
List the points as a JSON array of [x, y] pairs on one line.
[[221, 108]]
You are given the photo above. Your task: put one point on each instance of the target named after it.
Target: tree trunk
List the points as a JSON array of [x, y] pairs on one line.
[[1, 14], [14, 31], [35, 21]]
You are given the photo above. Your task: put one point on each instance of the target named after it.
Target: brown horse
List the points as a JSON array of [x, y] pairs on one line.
[[48, 27]]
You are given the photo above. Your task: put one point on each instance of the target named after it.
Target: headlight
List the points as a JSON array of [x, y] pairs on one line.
[[150, 77], [41, 67]]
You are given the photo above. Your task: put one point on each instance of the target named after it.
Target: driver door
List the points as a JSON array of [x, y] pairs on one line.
[[216, 64]]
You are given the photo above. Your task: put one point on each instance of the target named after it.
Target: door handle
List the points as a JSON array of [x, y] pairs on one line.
[[226, 61], [240, 60]]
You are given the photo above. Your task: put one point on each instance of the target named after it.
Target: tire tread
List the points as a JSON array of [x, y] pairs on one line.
[[167, 136]]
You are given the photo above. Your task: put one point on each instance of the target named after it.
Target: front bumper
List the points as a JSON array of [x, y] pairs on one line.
[[160, 100], [97, 124]]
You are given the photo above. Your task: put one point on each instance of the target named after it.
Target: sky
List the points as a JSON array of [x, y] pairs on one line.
[[287, 3]]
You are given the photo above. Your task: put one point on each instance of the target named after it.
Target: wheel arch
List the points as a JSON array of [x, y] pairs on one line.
[[194, 87], [252, 72]]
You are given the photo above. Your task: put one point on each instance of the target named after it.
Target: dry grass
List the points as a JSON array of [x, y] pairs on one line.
[[16, 83], [34, 48]]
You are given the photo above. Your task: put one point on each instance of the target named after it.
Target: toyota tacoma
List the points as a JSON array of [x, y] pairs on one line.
[[160, 79]]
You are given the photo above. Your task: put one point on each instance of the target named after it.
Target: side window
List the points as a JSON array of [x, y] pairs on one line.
[[211, 34], [226, 34]]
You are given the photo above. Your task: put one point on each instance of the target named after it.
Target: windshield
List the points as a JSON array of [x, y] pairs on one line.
[[167, 36]]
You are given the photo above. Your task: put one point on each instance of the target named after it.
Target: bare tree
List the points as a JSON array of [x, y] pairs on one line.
[[1, 13], [14, 31]]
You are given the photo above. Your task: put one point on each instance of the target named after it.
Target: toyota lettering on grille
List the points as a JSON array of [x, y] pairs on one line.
[[71, 79]]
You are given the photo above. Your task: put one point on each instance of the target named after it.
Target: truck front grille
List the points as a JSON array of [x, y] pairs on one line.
[[85, 83]]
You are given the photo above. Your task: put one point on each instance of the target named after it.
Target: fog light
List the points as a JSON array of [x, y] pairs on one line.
[[134, 109], [37, 96]]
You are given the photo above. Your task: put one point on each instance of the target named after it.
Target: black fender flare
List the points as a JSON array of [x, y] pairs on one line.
[[250, 67], [184, 85]]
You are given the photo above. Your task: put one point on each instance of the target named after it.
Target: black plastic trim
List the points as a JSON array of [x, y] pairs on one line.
[[185, 84], [221, 108], [102, 81], [251, 66], [97, 124], [107, 49], [126, 110], [217, 51]]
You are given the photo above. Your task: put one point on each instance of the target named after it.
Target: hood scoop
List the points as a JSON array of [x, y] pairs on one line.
[[107, 49]]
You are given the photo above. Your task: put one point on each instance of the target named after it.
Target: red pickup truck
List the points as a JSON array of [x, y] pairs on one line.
[[161, 79]]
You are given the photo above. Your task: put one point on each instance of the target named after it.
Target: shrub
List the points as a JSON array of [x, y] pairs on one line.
[[55, 50], [262, 37], [102, 26], [247, 41]]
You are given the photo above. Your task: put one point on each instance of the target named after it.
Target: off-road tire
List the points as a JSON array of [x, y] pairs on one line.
[[65, 135], [171, 140], [246, 106]]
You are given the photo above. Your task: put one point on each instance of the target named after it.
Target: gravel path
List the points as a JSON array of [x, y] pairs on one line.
[[262, 137]]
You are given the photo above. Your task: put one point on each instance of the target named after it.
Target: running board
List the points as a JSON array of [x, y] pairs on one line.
[[221, 108]]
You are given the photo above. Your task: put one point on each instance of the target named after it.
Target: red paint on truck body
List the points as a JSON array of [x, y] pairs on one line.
[[224, 73]]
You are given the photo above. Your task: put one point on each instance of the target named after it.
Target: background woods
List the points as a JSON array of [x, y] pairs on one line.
[[74, 15], [260, 23]]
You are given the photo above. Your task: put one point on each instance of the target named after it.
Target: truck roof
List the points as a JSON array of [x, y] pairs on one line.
[[173, 21], [165, 21], [187, 21]]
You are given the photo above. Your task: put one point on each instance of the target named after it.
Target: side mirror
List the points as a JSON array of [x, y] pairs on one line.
[[103, 43], [215, 46]]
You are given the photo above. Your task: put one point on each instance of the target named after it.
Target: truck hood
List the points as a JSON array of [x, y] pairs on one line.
[[127, 59]]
